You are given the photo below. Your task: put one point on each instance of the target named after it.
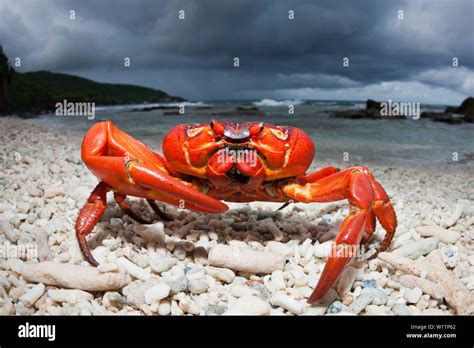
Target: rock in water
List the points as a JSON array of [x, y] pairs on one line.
[[74, 277]]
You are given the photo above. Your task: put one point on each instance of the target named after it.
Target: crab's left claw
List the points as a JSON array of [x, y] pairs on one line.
[[367, 199]]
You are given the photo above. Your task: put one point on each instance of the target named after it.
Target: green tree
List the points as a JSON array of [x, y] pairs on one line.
[[6, 76]]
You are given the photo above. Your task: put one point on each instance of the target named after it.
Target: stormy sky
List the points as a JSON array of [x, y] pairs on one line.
[[407, 59]]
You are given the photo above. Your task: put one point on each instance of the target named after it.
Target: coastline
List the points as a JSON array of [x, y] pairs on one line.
[[45, 185]]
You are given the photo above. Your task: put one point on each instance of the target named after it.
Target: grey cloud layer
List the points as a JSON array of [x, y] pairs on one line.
[[193, 57]]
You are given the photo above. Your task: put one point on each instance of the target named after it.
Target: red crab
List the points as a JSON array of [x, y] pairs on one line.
[[204, 164]]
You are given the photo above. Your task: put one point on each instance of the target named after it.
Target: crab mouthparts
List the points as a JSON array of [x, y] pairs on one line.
[[236, 135]]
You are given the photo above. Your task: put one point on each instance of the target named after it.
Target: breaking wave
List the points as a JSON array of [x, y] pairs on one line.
[[273, 102]]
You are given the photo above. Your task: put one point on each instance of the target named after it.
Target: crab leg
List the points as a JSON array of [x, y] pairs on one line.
[[89, 216], [120, 199], [367, 200], [157, 209], [304, 179]]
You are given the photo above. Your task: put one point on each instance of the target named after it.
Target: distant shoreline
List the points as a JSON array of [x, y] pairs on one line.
[[35, 93]]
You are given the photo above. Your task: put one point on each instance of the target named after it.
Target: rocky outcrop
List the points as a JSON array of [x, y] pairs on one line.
[[442, 117], [466, 108], [152, 108], [241, 111], [6, 75], [371, 111], [454, 115]]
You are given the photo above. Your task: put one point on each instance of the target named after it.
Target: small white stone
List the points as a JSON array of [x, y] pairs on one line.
[[401, 309], [444, 235], [322, 250], [54, 310], [416, 249], [278, 280], [100, 253], [249, 305], [164, 308], [198, 286], [224, 274], [238, 290], [375, 310], [290, 304], [152, 233], [197, 274], [271, 227], [245, 259], [346, 281], [134, 270], [279, 248], [189, 306], [112, 300], [156, 293], [107, 267], [175, 310], [30, 297], [413, 295], [44, 253], [427, 286], [162, 264], [359, 304], [456, 215], [305, 291], [9, 232], [71, 296], [51, 191]]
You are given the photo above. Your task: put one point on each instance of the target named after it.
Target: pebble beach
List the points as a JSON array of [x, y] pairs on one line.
[[251, 260]]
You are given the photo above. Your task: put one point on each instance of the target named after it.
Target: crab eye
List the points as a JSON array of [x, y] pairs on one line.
[[217, 127], [255, 130]]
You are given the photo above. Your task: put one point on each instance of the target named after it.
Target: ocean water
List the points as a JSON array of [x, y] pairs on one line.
[[387, 141]]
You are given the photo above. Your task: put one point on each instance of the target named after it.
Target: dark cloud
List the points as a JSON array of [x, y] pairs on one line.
[[193, 57]]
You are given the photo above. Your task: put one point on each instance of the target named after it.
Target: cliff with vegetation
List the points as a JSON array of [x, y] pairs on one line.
[[39, 91]]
